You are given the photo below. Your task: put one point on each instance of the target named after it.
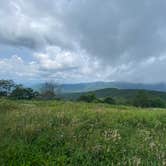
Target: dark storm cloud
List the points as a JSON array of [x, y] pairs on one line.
[[118, 30], [110, 29]]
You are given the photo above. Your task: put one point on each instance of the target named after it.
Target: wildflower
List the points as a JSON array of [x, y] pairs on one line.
[[164, 162], [136, 161], [152, 145], [112, 135]]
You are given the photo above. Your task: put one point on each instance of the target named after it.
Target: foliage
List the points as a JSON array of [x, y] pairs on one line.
[[23, 93], [9, 89], [138, 98], [66, 133], [6, 86], [49, 90], [157, 103], [122, 96], [142, 99], [109, 100], [88, 98]]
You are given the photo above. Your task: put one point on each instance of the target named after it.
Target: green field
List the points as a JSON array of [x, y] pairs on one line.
[[65, 133]]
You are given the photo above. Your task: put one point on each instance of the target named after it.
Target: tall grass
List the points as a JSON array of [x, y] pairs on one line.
[[66, 133]]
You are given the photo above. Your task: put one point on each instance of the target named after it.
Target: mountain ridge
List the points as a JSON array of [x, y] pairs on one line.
[[92, 86], [122, 94]]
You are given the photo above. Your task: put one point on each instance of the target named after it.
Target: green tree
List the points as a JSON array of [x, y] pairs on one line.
[[157, 103], [109, 100], [49, 90], [23, 93], [88, 98], [141, 99], [6, 87]]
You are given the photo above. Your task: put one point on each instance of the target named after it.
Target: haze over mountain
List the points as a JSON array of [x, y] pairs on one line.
[[92, 86], [84, 87]]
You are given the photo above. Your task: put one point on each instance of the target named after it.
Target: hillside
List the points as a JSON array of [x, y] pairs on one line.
[[92, 86], [116, 93], [67, 133]]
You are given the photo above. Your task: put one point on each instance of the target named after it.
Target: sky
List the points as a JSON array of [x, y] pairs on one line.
[[70, 41]]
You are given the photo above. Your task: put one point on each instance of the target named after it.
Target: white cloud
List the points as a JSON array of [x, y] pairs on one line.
[[16, 68], [53, 64], [63, 65]]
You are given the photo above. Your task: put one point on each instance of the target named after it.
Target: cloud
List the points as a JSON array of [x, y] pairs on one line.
[[52, 64], [55, 63], [116, 31], [15, 68], [88, 40]]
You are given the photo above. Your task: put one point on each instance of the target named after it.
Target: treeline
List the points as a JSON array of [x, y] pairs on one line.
[[141, 99], [16, 91], [49, 90], [10, 89]]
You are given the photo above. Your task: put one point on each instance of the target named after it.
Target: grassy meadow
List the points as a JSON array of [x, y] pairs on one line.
[[48, 133]]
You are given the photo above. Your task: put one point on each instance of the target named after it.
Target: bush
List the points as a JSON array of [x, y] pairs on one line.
[[48, 95], [157, 103], [88, 98], [23, 93], [6, 87], [142, 99], [49, 90], [109, 100]]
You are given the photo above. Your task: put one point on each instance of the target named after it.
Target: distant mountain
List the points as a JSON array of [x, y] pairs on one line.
[[85, 87], [121, 94], [92, 86]]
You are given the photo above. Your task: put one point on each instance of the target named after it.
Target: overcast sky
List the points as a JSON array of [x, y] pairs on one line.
[[83, 40]]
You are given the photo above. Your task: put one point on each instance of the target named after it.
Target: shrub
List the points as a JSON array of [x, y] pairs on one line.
[[141, 99], [109, 100], [23, 93], [157, 103], [88, 98], [49, 90], [6, 87]]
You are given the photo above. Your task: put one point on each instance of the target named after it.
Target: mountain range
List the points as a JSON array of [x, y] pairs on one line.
[[120, 94], [93, 86]]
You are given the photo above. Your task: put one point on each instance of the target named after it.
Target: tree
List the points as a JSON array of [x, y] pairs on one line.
[[109, 100], [6, 87], [49, 90], [157, 103], [141, 99], [23, 93], [88, 98]]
